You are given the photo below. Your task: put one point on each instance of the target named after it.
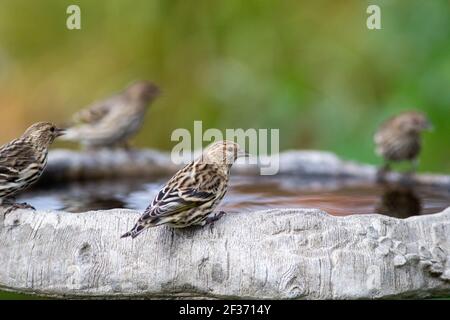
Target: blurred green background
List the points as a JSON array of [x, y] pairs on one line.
[[312, 69]]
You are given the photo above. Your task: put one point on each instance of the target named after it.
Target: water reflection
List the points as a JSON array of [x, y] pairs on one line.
[[335, 196], [91, 203], [399, 202], [101, 195]]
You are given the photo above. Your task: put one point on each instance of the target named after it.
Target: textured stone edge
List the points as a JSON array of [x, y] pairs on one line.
[[351, 238]]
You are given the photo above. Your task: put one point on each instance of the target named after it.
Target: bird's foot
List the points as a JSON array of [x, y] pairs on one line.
[[413, 168], [215, 217], [125, 146], [15, 206], [382, 172], [410, 173]]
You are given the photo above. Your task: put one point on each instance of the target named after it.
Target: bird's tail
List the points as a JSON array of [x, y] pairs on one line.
[[133, 233]]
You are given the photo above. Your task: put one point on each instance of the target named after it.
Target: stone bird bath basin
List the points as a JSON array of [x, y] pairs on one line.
[[283, 253]]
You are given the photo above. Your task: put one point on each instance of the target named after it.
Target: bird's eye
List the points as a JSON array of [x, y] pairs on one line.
[[52, 129]]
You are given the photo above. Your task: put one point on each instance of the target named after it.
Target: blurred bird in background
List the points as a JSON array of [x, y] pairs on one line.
[[399, 138], [23, 160], [192, 194], [112, 122]]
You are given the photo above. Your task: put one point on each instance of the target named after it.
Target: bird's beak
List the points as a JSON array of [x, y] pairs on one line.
[[155, 92], [60, 132]]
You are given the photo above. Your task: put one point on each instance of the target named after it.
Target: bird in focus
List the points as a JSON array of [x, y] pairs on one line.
[[399, 138], [23, 160], [192, 194], [112, 122]]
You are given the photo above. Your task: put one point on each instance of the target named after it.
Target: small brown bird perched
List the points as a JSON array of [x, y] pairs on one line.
[[23, 160], [399, 138], [114, 121], [192, 194]]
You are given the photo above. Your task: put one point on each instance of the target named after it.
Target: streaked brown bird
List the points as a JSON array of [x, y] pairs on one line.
[[23, 160], [112, 122], [399, 138], [192, 194]]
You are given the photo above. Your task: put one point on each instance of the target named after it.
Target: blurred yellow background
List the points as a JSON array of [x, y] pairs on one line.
[[311, 69]]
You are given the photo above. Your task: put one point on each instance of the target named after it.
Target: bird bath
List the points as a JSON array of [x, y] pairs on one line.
[[321, 229]]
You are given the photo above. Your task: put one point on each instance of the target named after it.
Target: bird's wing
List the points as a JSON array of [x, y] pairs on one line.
[[189, 188], [169, 202], [96, 111], [15, 157], [172, 201]]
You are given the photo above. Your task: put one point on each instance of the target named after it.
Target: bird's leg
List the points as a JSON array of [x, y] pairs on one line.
[[7, 203], [382, 171], [386, 167], [126, 145], [12, 206], [414, 166], [214, 217], [121, 145]]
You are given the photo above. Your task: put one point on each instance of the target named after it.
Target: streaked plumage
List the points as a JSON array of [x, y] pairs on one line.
[[192, 194], [114, 121], [399, 138], [23, 160]]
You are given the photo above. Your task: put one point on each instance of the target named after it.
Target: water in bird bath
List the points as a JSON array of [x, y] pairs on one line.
[[336, 197]]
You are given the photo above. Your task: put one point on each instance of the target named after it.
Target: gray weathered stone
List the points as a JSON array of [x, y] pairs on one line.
[[275, 254]]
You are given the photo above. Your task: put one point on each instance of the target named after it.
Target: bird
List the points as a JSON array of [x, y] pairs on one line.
[[191, 195], [113, 121], [23, 160], [399, 138]]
